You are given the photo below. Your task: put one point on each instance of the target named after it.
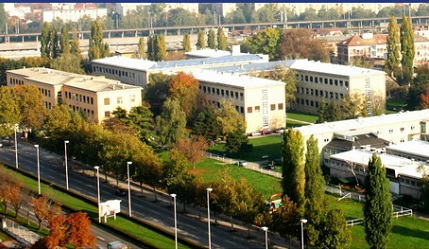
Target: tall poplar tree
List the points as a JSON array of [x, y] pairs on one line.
[[142, 48], [53, 43], [407, 50], [186, 42], [293, 182], [96, 45], [161, 47], [150, 47], [221, 39], [314, 190], [393, 47], [75, 44], [211, 39], [64, 41], [378, 206], [44, 41], [201, 42]]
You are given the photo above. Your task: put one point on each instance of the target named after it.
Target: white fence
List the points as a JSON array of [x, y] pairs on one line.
[[20, 233]]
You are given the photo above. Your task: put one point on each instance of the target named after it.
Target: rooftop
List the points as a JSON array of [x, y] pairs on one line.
[[415, 147], [363, 123], [252, 67], [401, 165]]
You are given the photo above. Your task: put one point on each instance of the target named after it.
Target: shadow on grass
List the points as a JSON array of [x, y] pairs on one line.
[[409, 232]]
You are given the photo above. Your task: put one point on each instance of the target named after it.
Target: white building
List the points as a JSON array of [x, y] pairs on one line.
[[73, 14]]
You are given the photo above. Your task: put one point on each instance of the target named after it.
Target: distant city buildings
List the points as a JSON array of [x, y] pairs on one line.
[[73, 12]]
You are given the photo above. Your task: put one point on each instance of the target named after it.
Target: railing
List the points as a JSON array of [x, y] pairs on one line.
[[355, 222], [20, 233]]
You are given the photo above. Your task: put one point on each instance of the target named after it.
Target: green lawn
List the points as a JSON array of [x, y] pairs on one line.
[[302, 116], [398, 104]]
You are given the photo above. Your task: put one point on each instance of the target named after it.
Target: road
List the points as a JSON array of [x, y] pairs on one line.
[[157, 213]]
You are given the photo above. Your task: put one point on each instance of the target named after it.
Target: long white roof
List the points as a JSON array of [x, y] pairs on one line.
[[232, 79], [414, 147], [401, 165], [363, 123]]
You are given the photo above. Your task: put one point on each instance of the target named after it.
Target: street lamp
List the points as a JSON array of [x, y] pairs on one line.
[[266, 236], [65, 160], [98, 192], [302, 232], [16, 147], [38, 168], [175, 220], [129, 190], [208, 215]]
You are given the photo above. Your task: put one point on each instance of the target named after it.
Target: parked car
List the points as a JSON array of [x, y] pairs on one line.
[[242, 163], [120, 192]]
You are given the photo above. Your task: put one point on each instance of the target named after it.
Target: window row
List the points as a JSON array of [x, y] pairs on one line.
[[239, 109], [85, 111], [48, 105], [45, 92], [321, 93], [321, 80], [116, 72], [13, 81], [411, 182], [221, 92], [280, 106], [120, 100], [79, 97]]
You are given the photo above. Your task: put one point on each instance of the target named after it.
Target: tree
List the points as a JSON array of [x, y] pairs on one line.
[[424, 99], [53, 43], [211, 39], [79, 230], [64, 41], [3, 18], [407, 50], [184, 88], [333, 112], [57, 231], [156, 92], [201, 41], [10, 112], [186, 42], [333, 231], [68, 62], [161, 47], [16, 196], [142, 48], [221, 39], [228, 118], [377, 104], [237, 141], [75, 44], [96, 45], [171, 124], [206, 124], [393, 47], [293, 182], [378, 205], [140, 118], [354, 106], [264, 42], [286, 218], [192, 148], [419, 86], [314, 190], [43, 208], [300, 43], [44, 41]]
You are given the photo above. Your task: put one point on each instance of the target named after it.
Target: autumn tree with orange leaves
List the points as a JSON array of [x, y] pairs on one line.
[[184, 88], [424, 99], [43, 208], [11, 192], [192, 148]]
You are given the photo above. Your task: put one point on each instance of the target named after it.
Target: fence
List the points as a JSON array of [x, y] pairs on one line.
[[20, 233]]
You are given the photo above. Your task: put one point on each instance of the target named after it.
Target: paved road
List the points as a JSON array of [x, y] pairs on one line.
[[158, 214]]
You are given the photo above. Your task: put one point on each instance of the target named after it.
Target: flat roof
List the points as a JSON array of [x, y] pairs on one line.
[[231, 79], [334, 69], [401, 165], [145, 65], [415, 147], [363, 123], [84, 82], [208, 52], [252, 67]]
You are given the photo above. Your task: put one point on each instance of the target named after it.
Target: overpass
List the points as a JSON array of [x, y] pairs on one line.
[[361, 23]]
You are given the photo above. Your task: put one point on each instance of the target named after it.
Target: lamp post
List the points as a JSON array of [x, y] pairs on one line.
[[175, 220], [38, 168], [98, 192], [302, 232], [16, 147], [208, 215], [266, 236], [129, 190], [65, 163]]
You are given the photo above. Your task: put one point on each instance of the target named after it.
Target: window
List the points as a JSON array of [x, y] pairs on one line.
[[280, 106], [107, 114], [316, 80], [330, 82], [273, 107], [92, 100], [391, 131], [402, 129], [257, 108], [249, 109], [106, 101], [132, 98], [119, 100], [306, 78], [241, 109]]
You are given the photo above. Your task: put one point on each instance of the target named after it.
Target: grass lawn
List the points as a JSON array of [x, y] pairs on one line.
[[398, 104], [302, 116], [293, 124], [127, 226]]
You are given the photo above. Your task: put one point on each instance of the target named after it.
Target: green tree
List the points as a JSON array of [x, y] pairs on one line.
[[393, 47], [314, 194], [211, 39], [407, 50], [354, 106], [264, 42], [161, 47], [68, 62], [293, 182], [54, 43], [419, 86], [322, 111], [142, 48], [3, 18], [333, 112], [171, 124], [75, 44], [44, 40], [9, 112], [201, 41], [64, 41], [378, 205], [221, 39], [286, 218], [333, 231], [140, 118], [228, 118], [236, 141], [96, 45], [206, 124], [186, 42]]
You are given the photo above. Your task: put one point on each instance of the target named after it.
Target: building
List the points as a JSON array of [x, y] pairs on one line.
[[96, 97], [260, 101], [137, 71], [375, 47], [414, 150], [212, 53], [404, 174], [73, 12]]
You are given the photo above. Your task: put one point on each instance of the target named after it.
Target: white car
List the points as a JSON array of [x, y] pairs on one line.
[[242, 163]]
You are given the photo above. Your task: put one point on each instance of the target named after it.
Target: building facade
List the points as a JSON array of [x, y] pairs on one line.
[[96, 97], [73, 13]]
